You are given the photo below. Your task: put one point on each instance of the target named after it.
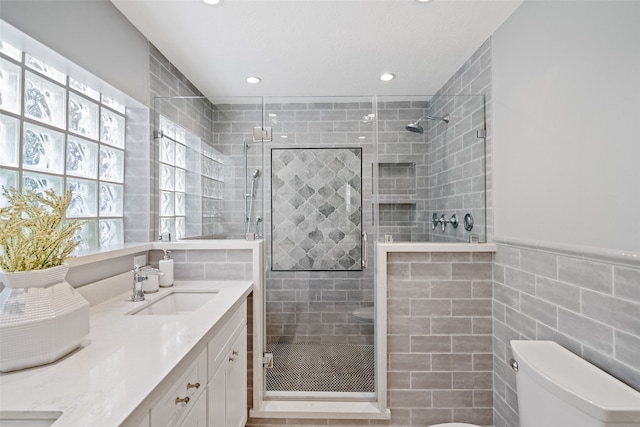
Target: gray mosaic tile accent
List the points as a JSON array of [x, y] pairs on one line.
[[316, 209]]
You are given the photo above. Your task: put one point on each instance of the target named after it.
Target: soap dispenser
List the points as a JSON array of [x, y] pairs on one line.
[[165, 265]]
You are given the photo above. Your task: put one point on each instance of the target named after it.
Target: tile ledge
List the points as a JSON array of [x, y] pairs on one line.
[[100, 254], [436, 247], [614, 256]]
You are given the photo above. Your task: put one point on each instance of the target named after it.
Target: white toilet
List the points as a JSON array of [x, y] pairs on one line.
[[556, 388], [454, 425], [363, 315]]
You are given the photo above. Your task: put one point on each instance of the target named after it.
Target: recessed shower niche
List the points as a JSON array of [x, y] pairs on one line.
[[397, 210], [397, 213]]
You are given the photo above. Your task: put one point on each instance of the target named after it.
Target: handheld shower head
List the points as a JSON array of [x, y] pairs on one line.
[[256, 174]]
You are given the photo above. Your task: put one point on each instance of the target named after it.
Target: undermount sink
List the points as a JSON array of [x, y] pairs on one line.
[[176, 302], [28, 418]]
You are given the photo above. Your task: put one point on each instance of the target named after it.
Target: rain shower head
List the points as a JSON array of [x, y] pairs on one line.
[[416, 128]]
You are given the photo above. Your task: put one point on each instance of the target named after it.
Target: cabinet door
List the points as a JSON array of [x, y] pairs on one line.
[[217, 397], [197, 417], [236, 383]]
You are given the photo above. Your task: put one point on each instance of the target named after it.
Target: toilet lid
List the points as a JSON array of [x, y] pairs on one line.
[[455, 425]]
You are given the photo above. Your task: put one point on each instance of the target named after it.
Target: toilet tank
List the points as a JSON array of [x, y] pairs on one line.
[[556, 388]]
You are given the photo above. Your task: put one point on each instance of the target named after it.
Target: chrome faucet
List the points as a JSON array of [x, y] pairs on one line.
[[139, 276]]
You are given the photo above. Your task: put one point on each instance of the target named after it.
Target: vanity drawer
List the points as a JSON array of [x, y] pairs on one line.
[[220, 344], [182, 395]]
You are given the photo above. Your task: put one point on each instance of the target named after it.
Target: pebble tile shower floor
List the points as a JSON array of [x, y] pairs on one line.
[[321, 368]]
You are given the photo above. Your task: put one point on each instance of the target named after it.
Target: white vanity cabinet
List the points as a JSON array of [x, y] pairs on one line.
[[197, 416], [227, 388], [211, 390], [182, 395]]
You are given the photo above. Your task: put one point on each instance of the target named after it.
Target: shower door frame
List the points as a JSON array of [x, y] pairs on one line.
[[339, 405]]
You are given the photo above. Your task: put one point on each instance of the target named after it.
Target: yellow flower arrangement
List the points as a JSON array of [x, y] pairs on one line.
[[33, 232]]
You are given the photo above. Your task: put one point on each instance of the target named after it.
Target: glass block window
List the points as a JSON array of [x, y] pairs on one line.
[[192, 172], [58, 132], [172, 156]]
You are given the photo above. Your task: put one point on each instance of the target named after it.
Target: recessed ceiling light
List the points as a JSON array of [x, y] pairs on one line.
[[423, 1], [253, 80], [213, 2], [386, 77]]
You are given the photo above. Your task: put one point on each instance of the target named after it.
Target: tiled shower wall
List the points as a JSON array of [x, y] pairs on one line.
[[587, 303], [403, 170], [458, 159], [233, 133]]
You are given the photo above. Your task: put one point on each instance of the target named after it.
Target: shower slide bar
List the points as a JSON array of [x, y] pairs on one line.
[[365, 251]]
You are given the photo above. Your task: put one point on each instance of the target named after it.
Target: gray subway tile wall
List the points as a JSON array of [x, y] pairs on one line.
[[588, 305], [211, 264], [447, 359]]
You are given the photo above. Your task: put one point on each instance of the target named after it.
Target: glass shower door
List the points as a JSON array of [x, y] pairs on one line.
[[319, 297]]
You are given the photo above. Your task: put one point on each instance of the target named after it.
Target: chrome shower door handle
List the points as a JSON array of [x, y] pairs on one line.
[[365, 252]]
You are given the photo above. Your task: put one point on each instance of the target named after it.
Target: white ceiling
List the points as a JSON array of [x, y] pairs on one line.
[[317, 47]]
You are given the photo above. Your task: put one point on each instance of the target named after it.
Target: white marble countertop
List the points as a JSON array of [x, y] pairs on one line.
[[121, 361]]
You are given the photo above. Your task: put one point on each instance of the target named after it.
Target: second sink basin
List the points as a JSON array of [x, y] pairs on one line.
[[177, 302], [28, 418]]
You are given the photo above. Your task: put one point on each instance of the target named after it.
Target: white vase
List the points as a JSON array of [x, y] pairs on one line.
[[42, 318]]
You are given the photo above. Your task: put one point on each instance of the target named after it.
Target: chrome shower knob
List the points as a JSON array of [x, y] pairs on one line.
[[443, 221], [434, 221]]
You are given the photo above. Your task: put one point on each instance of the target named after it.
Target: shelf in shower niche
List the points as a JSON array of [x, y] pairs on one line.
[[391, 199], [397, 178]]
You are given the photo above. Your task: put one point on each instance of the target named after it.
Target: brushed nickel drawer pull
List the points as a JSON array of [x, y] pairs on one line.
[[185, 400]]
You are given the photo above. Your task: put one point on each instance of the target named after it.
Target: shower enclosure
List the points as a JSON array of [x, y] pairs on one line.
[[321, 180]]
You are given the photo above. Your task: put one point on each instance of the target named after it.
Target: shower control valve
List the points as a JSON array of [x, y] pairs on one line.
[[434, 221], [443, 221]]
